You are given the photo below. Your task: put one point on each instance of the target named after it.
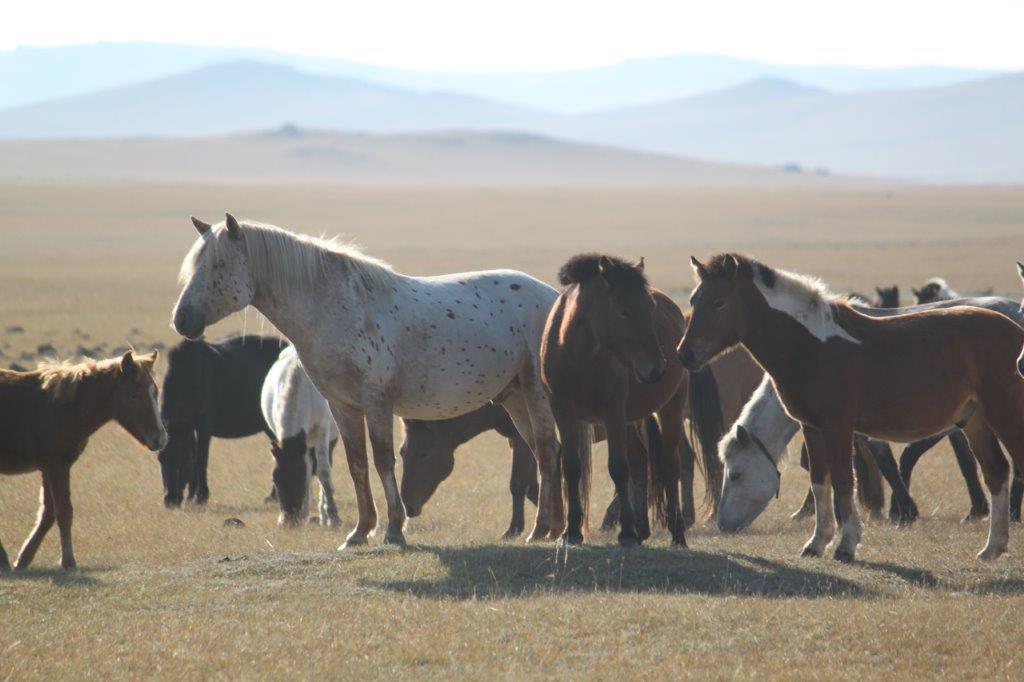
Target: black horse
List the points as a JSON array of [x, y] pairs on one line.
[[212, 389]]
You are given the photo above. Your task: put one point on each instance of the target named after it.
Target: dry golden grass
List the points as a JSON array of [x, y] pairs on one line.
[[169, 594]]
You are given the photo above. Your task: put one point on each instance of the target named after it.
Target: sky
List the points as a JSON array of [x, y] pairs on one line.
[[539, 35]]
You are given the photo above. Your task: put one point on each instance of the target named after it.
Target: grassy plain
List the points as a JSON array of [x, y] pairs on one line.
[[171, 594]]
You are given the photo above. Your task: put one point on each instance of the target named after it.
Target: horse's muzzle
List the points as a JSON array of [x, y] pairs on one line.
[[689, 359], [188, 322]]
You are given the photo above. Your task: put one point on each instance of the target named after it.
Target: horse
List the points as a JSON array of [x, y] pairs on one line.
[[428, 458], [377, 343], [603, 360], [304, 438], [49, 416], [933, 290], [838, 371], [211, 389], [752, 450]]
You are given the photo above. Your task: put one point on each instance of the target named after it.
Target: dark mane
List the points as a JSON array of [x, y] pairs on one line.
[[583, 267], [747, 267]]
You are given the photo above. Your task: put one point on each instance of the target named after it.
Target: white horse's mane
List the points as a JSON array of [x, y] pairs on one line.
[[286, 260], [804, 298]]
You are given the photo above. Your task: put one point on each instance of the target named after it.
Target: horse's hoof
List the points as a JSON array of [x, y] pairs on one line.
[[991, 553], [570, 539], [810, 550], [69, 565], [629, 542], [843, 555], [396, 539], [351, 541], [975, 515], [512, 533]]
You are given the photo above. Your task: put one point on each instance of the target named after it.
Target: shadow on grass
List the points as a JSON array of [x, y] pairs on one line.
[[499, 571], [81, 577]]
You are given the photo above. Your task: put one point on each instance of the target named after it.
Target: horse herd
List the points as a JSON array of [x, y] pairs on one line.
[[762, 354]]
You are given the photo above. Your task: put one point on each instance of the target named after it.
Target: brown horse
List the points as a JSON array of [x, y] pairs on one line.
[[49, 415], [606, 358], [838, 371]]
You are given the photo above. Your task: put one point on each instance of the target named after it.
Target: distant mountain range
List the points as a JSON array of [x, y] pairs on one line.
[[965, 132], [294, 155], [30, 75]]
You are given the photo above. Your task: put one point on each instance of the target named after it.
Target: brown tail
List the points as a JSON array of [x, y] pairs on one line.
[[657, 486], [707, 424]]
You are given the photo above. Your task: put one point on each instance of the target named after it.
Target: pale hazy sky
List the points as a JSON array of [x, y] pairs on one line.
[[480, 35]]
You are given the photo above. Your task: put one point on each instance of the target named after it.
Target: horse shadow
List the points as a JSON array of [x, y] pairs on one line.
[[919, 577], [80, 577], [501, 571]]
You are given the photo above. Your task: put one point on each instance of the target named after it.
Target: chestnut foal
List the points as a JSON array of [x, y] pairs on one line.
[[838, 372], [49, 415]]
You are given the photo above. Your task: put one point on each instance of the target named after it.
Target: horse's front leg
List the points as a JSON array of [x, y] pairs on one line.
[[328, 509], [380, 423], [202, 464], [821, 487], [43, 524], [353, 435], [618, 468], [60, 488], [838, 443]]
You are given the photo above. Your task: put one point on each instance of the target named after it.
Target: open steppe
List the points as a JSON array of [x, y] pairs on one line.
[[169, 594]]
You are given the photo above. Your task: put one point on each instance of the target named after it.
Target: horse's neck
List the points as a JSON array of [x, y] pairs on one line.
[[297, 313], [778, 342], [91, 407]]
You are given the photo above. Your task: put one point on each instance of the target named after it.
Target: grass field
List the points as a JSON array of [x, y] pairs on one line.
[[170, 594]]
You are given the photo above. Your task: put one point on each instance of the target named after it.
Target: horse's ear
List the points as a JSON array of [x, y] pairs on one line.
[[1020, 269], [606, 268], [639, 265], [730, 266], [149, 359], [127, 362], [915, 292], [234, 231], [698, 267], [879, 291], [201, 227], [742, 436]]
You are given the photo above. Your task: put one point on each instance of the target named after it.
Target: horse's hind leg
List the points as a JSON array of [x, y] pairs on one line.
[[869, 481], [328, 509], [573, 435], [353, 435], [670, 418], [902, 507], [969, 470], [687, 466], [996, 470], [43, 525], [611, 514], [5, 564], [807, 507], [522, 484]]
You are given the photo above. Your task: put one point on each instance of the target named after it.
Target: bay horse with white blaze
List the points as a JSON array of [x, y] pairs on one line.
[[607, 359], [48, 418], [838, 372], [377, 343]]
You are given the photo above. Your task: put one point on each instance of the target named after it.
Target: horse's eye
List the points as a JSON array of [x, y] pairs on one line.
[[623, 313], [734, 475], [719, 304]]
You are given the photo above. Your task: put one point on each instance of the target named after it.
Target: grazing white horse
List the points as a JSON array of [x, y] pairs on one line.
[[304, 436], [377, 343]]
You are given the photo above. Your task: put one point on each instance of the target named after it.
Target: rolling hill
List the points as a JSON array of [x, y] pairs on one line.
[[293, 155]]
